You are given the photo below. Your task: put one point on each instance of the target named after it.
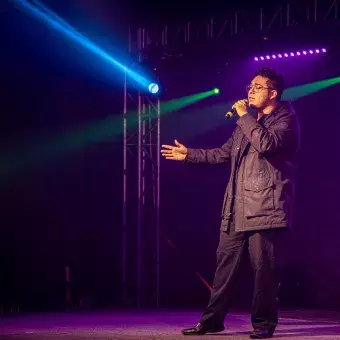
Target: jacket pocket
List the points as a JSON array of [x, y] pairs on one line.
[[258, 197]]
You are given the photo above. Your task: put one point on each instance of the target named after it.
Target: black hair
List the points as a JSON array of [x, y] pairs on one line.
[[274, 80]]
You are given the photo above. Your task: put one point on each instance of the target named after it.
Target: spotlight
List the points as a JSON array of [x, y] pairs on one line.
[[153, 88], [256, 59], [216, 91]]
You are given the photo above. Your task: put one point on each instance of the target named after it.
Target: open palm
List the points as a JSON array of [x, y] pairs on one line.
[[175, 153]]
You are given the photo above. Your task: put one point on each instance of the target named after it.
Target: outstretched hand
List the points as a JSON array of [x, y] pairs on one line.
[[175, 153]]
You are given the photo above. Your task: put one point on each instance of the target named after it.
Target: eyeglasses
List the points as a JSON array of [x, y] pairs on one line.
[[257, 88]]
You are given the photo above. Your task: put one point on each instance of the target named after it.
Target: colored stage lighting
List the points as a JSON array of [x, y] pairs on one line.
[[216, 91], [153, 88], [292, 54]]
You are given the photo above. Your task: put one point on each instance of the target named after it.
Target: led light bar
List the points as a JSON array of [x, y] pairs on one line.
[[291, 54]]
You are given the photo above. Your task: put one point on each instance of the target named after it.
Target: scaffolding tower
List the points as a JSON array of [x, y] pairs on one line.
[[141, 191]]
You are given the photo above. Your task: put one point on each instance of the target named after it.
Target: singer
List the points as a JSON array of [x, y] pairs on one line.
[[257, 206]]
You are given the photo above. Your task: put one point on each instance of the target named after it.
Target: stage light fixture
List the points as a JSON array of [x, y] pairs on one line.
[[291, 54], [153, 88], [216, 91]]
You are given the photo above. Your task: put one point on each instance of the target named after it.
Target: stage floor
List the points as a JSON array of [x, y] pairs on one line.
[[149, 325]]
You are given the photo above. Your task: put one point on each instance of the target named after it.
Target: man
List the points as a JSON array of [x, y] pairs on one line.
[[257, 207]]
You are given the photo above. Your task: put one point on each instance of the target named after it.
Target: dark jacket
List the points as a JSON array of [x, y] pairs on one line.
[[263, 157]]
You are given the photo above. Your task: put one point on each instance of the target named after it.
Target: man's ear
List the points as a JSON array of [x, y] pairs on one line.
[[273, 94]]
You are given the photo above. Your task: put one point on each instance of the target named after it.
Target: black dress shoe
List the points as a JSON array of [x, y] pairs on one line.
[[261, 334], [199, 329]]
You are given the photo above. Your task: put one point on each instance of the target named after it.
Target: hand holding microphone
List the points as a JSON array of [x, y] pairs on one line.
[[240, 107]]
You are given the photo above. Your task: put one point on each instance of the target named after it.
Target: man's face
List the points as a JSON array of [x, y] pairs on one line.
[[259, 96]]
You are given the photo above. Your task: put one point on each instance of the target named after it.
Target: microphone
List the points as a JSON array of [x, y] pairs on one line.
[[233, 111], [230, 113]]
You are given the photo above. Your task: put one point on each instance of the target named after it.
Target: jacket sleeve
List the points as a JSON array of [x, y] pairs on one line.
[[281, 135], [210, 156]]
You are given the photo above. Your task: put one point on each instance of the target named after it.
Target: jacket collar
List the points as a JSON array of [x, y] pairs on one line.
[[282, 107]]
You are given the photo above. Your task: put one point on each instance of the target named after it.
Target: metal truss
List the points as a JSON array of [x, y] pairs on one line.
[[141, 194], [232, 23]]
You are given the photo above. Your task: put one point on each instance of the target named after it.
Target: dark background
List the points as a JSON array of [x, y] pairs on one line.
[[68, 210]]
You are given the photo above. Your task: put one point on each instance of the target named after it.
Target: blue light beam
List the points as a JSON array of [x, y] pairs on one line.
[[47, 16]]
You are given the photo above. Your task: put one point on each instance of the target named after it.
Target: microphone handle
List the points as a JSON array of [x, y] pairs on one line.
[[230, 113]]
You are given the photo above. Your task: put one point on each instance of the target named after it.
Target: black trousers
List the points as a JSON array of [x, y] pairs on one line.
[[261, 246]]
